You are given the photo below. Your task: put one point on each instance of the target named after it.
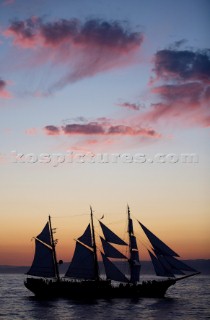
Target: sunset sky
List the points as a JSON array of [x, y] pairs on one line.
[[124, 81]]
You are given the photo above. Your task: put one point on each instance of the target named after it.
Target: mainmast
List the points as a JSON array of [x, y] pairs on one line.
[[94, 247], [129, 239], [134, 262], [53, 250]]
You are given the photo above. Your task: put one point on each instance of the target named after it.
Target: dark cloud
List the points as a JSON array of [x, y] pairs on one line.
[[110, 34], [52, 130], [2, 84], [89, 128], [84, 48], [183, 92], [56, 32], [131, 106], [130, 131], [4, 93], [190, 92], [187, 103], [101, 129], [26, 29], [93, 32], [183, 65]]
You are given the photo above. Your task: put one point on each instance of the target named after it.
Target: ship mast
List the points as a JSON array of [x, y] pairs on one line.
[[129, 236], [94, 247], [53, 250]]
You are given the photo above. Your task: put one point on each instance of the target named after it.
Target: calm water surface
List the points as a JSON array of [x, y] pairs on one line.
[[189, 299]]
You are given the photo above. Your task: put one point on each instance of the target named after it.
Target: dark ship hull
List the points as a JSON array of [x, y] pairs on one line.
[[96, 289]]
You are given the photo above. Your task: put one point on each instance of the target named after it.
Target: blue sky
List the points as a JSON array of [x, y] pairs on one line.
[[109, 77]]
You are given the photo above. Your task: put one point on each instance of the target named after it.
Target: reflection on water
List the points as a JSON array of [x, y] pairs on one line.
[[186, 300]]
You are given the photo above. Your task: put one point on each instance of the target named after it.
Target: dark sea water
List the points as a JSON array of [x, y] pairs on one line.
[[188, 299]]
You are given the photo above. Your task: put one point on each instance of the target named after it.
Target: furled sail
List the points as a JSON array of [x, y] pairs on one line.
[[133, 243], [110, 251], [134, 261], [130, 226], [82, 264], [159, 246], [135, 271], [110, 236], [86, 237], [43, 264], [112, 272], [135, 255]]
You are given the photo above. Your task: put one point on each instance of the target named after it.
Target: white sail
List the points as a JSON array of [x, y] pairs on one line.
[[86, 237], [110, 236], [112, 272], [82, 264], [159, 246], [43, 264], [110, 251]]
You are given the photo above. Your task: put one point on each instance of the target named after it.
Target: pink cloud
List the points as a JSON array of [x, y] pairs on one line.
[[84, 48], [31, 131], [186, 103], [4, 93], [52, 130], [181, 88], [99, 129], [93, 33]]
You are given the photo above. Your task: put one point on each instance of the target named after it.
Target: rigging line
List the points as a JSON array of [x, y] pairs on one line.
[[70, 216], [110, 223], [121, 237], [115, 222], [146, 244]]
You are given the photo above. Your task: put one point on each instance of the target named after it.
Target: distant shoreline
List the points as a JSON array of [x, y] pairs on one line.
[[202, 265]]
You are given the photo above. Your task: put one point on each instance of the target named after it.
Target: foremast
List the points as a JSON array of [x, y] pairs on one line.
[[54, 251], [96, 267]]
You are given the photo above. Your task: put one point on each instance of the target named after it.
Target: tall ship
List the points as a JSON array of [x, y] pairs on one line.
[[83, 278]]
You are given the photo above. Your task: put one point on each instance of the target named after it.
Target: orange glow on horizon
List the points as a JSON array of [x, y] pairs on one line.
[[19, 249]]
